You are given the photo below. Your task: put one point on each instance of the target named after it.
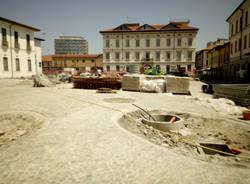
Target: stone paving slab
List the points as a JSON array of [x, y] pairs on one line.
[[83, 143]]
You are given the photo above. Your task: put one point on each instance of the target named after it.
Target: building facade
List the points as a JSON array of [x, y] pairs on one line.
[[130, 47], [205, 59], [71, 45], [239, 35], [81, 62], [20, 51]]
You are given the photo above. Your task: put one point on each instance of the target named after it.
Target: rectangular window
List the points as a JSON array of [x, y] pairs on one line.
[[127, 54], [168, 56], [117, 43], [158, 42], [179, 42], [4, 37], [178, 55], [189, 55], [157, 56], [236, 30], [231, 49], [246, 18], [239, 48], [117, 67], [108, 68], [147, 56], [137, 43], [147, 42], [107, 44], [29, 65], [137, 56], [107, 56], [5, 64], [127, 43], [241, 20], [189, 68], [245, 41], [235, 46], [168, 42], [249, 40], [117, 56], [16, 36], [232, 29], [190, 41], [17, 65], [28, 42], [16, 44]]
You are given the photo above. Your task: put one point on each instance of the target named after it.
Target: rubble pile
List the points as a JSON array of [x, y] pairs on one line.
[[41, 81], [196, 130]]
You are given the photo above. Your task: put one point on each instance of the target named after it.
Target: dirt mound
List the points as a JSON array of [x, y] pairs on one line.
[[16, 124]]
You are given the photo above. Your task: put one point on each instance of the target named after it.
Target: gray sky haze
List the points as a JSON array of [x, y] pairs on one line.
[[87, 17]]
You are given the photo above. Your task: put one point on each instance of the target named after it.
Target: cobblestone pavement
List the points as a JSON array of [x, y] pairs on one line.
[[83, 143]]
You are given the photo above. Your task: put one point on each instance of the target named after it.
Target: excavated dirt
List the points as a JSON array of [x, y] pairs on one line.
[[16, 124], [196, 130]]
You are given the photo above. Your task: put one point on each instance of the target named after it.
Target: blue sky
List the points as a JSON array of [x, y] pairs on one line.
[[87, 17]]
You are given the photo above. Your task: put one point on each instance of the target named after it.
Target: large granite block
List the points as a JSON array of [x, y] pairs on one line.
[[179, 85], [131, 82]]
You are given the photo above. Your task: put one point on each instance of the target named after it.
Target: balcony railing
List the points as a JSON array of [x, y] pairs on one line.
[[4, 43], [16, 45], [147, 59], [28, 47]]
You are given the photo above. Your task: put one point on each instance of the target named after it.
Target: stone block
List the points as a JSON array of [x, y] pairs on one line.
[[179, 85], [131, 82]]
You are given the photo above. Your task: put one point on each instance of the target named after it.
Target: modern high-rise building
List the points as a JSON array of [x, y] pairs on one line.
[[130, 47], [71, 45]]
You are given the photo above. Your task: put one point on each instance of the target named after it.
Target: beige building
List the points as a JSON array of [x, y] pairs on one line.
[[129, 47], [239, 35], [20, 51], [79, 62]]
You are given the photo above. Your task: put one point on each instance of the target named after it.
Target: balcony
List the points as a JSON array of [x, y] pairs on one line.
[[16, 45], [4, 43], [28, 47], [146, 59]]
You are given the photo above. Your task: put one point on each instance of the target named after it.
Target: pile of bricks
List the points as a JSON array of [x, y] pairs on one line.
[[95, 83]]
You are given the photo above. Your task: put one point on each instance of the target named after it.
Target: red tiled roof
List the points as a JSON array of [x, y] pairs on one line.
[[76, 55], [47, 58], [158, 27]]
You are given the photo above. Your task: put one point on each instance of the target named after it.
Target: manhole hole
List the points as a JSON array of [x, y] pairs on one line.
[[119, 100], [165, 122], [193, 130], [16, 124]]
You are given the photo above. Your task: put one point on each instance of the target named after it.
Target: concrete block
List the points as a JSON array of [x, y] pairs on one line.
[[131, 82], [178, 85]]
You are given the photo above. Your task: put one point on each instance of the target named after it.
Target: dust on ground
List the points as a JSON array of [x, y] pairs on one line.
[[196, 130], [13, 125]]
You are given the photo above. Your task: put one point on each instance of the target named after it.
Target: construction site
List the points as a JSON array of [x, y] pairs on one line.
[[141, 129]]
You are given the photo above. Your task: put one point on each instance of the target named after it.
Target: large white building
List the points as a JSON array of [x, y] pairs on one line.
[[20, 51], [129, 47]]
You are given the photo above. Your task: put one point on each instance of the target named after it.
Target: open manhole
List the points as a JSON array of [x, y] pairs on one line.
[[16, 124], [192, 135], [119, 100], [165, 122]]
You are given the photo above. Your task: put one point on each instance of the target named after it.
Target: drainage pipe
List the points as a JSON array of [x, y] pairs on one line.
[[150, 116]]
